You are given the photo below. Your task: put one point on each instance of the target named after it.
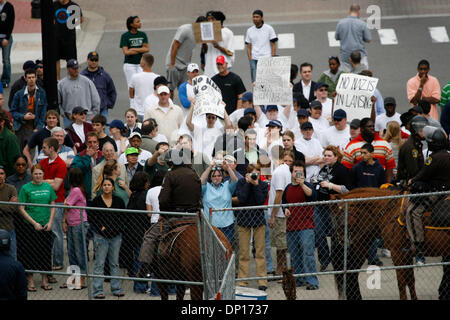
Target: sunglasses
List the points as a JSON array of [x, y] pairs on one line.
[[94, 60], [321, 90], [21, 164], [211, 118]]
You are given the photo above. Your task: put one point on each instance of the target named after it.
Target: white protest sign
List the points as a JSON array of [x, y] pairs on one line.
[[208, 97], [272, 84], [354, 94]]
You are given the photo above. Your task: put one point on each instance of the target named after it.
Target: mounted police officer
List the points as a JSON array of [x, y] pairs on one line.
[[433, 177], [410, 155], [181, 192], [13, 282]]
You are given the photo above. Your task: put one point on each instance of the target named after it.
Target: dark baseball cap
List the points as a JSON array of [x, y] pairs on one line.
[[93, 55], [315, 104], [117, 124], [302, 113], [406, 117], [29, 65], [248, 96], [307, 125], [389, 100], [320, 85], [78, 110], [274, 123], [271, 107], [249, 110], [72, 63], [355, 124], [339, 114]]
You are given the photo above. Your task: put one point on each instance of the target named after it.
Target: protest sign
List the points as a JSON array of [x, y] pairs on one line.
[[354, 94], [208, 97], [207, 31], [272, 84]]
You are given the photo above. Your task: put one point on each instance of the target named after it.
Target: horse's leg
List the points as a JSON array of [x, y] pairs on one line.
[[162, 287], [196, 292], [181, 289], [444, 287], [400, 258]]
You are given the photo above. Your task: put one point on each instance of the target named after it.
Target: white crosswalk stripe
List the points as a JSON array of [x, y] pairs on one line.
[[438, 34], [387, 36], [332, 40], [286, 41]]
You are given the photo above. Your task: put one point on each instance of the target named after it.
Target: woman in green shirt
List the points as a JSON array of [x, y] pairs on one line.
[[34, 248], [331, 76], [134, 44]]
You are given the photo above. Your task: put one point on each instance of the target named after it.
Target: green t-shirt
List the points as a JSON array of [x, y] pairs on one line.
[[132, 40], [151, 170], [118, 191], [41, 194]]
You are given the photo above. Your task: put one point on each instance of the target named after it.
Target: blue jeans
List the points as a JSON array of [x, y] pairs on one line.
[[106, 248], [269, 261], [253, 64], [13, 246], [58, 237], [323, 227], [301, 247], [228, 232], [6, 53], [76, 247]]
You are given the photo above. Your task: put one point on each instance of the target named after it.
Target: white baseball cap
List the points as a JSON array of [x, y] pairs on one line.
[[192, 66], [162, 89]]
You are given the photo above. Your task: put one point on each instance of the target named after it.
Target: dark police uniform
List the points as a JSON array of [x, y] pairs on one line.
[[181, 192], [410, 159], [13, 282]]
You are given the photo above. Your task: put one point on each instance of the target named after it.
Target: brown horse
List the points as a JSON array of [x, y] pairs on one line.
[[179, 259], [368, 220]]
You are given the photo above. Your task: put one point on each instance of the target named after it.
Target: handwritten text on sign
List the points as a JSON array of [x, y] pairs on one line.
[[272, 81], [208, 97], [354, 94]]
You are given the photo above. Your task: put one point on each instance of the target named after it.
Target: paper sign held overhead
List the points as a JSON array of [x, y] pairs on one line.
[[272, 84], [208, 97], [207, 31], [354, 93]]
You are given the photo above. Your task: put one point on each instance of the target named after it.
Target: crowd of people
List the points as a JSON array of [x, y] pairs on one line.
[[77, 155]]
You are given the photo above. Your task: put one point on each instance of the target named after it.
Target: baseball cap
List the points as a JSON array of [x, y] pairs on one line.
[[307, 125], [72, 63], [320, 85], [249, 110], [274, 123], [29, 65], [192, 66], [389, 100], [315, 104], [117, 124], [302, 113], [355, 124], [131, 150], [220, 60], [229, 158], [78, 110], [339, 114], [134, 134], [162, 89], [271, 107], [406, 117], [93, 55], [248, 96]]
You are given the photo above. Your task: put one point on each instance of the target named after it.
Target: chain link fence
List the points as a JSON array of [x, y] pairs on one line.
[[102, 255], [351, 248]]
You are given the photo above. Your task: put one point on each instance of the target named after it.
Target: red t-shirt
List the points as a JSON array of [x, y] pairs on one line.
[[55, 169], [301, 218]]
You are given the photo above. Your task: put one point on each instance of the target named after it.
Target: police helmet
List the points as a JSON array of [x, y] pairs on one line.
[[417, 123], [436, 138], [5, 240]]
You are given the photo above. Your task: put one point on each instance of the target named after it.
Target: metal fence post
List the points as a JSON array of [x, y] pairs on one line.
[[85, 251], [344, 292], [214, 254], [202, 245]]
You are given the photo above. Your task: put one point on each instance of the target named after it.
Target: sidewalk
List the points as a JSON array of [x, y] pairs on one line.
[[27, 38]]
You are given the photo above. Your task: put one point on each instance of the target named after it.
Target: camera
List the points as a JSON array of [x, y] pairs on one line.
[[254, 176], [322, 176], [219, 162], [299, 175]]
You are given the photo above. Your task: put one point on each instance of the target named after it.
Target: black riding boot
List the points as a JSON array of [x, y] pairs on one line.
[[420, 258]]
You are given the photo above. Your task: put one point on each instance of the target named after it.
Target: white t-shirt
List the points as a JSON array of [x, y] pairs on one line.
[[260, 38], [143, 156], [198, 121], [213, 53], [326, 108], [142, 83], [306, 89], [204, 139], [319, 126], [382, 120], [332, 136], [79, 130], [160, 138], [310, 148], [281, 177], [152, 199]]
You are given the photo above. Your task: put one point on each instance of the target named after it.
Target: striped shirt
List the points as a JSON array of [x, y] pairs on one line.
[[445, 95], [382, 152]]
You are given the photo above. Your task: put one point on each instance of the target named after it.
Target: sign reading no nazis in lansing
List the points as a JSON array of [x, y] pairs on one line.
[[272, 84], [354, 93], [208, 97]]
